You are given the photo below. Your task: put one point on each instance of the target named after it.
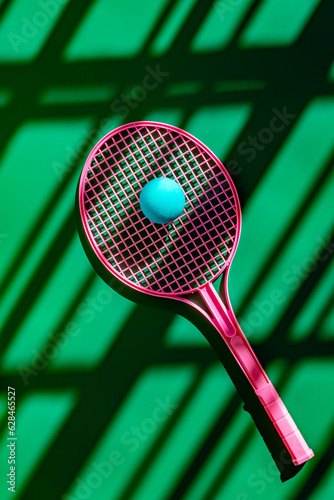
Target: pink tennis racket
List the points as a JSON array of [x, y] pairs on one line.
[[177, 259]]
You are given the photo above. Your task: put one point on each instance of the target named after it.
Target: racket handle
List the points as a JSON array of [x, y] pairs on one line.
[[235, 339], [284, 424]]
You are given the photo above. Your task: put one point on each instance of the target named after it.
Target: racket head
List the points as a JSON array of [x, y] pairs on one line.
[[110, 216]]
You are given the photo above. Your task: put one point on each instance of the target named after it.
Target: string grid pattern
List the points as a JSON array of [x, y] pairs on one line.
[[167, 258]]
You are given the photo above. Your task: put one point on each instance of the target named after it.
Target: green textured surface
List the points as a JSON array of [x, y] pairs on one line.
[[90, 367], [290, 19], [114, 29], [41, 416], [25, 27]]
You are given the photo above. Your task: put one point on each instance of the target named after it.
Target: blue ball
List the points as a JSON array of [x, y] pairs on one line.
[[162, 200]]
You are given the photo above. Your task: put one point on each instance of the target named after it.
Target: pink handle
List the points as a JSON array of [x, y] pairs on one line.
[[231, 332], [283, 422]]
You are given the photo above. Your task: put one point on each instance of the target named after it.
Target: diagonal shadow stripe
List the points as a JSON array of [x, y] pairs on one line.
[[322, 315], [3, 7], [191, 25], [42, 221], [318, 472], [38, 280], [254, 6], [209, 442], [287, 235], [158, 24], [158, 445], [63, 31], [278, 341]]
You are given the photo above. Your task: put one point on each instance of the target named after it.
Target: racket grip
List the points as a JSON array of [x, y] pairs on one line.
[[233, 336], [284, 424]]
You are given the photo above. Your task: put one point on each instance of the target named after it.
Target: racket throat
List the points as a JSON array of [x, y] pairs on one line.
[[217, 308]]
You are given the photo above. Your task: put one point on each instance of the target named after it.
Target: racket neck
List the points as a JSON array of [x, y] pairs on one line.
[[219, 312], [229, 329]]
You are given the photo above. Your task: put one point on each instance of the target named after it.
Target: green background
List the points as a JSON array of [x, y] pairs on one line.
[[88, 365]]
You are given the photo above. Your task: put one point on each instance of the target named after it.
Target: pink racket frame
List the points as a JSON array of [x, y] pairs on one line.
[[221, 317]]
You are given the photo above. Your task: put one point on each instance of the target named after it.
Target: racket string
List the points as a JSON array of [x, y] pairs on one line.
[[200, 240]]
